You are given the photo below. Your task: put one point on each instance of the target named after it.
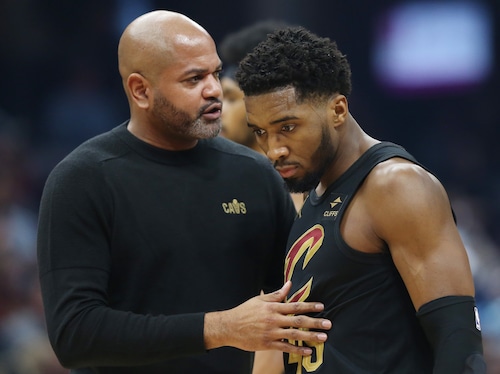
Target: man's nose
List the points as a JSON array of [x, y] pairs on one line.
[[277, 152], [213, 87]]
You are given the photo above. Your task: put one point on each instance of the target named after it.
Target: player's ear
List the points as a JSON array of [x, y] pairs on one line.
[[338, 109]]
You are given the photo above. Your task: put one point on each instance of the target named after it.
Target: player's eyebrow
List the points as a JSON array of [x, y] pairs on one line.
[[276, 121]]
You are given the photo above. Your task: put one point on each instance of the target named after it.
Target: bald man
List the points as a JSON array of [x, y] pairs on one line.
[[156, 237]]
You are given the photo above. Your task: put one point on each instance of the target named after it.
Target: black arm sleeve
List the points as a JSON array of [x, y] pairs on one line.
[[452, 327]]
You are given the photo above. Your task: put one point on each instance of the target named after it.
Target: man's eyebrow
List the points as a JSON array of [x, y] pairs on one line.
[[276, 121], [283, 119], [201, 71]]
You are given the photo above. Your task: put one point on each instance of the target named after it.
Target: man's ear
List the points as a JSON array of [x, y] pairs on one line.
[[140, 91], [339, 109]]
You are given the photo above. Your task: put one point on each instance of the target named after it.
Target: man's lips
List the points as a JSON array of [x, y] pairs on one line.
[[213, 111], [287, 171]]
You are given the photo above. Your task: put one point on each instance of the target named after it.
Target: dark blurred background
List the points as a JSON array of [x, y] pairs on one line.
[[425, 75]]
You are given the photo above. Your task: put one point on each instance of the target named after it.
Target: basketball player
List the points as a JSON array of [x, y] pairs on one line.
[[376, 241]]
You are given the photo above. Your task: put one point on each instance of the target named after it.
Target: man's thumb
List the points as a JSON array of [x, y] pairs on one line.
[[279, 295]]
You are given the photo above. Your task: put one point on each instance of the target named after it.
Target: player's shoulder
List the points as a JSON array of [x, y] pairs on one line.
[[398, 183], [397, 172]]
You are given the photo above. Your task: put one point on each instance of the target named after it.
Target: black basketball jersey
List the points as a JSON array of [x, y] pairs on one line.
[[374, 327]]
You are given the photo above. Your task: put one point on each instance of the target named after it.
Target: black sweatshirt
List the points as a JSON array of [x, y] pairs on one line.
[[137, 243]]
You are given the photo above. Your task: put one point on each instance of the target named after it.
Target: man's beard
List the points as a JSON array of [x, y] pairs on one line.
[[177, 121], [323, 157]]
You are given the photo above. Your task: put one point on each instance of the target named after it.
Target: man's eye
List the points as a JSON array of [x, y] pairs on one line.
[[287, 128], [259, 132]]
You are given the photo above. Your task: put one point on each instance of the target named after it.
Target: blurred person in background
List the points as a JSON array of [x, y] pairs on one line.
[[24, 347], [232, 49], [484, 255]]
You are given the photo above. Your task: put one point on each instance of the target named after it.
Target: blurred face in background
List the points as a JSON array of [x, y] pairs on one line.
[[234, 119]]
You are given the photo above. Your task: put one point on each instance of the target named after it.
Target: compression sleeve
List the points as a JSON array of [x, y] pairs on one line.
[[452, 327]]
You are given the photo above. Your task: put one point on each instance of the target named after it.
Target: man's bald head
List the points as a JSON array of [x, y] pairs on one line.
[[148, 44]]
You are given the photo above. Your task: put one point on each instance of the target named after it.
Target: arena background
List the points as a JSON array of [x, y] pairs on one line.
[[425, 75]]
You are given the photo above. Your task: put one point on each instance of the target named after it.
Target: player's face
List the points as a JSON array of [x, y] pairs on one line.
[[295, 137], [188, 96]]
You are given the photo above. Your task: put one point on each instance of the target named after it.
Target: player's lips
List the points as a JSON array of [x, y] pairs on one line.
[[213, 111], [286, 171]]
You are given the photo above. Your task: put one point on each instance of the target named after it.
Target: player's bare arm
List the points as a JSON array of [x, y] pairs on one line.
[[268, 362], [412, 214]]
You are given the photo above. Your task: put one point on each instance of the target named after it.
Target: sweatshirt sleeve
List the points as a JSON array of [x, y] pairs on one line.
[[75, 224]]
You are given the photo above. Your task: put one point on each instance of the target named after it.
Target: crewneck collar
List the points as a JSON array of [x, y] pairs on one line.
[[156, 154]]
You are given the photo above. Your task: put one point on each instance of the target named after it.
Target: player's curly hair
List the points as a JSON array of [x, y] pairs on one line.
[[296, 57]]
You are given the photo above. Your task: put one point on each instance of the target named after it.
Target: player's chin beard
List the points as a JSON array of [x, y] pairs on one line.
[[179, 121], [323, 157]]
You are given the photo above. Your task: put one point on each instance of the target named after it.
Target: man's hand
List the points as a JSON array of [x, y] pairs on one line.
[[263, 322]]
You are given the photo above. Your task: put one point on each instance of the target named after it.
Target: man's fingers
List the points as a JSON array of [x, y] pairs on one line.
[[304, 335], [291, 308], [300, 308], [306, 322], [294, 314], [298, 335], [285, 346]]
